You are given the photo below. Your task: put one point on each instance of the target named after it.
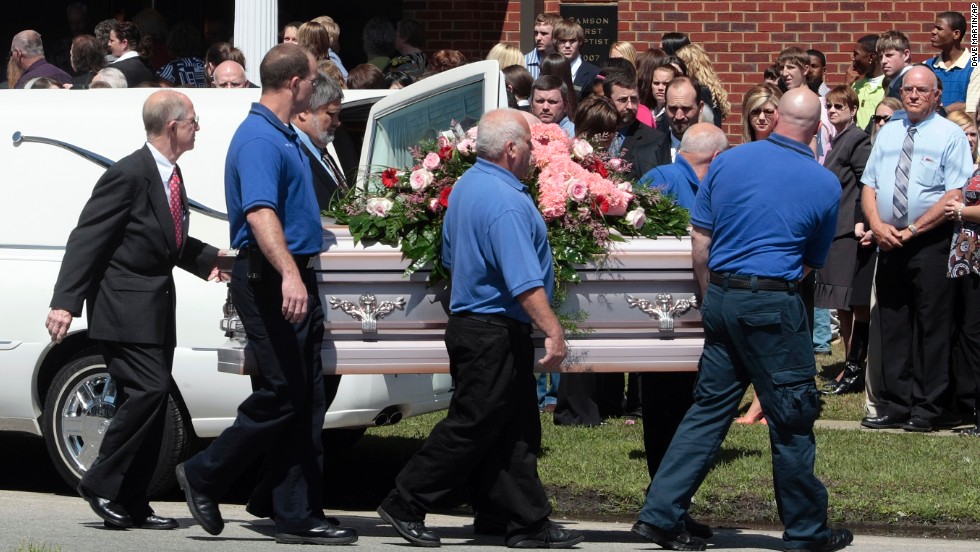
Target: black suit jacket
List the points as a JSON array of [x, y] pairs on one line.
[[120, 258], [848, 156], [584, 78], [135, 71], [323, 182], [645, 148]]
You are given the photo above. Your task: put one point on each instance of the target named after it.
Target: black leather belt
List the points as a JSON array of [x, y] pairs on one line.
[[496, 320], [736, 281], [302, 261]]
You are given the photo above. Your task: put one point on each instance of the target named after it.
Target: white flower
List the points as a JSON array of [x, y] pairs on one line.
[[378, 206], [581, 149], [420, 179], [636, 217], [625, 186]]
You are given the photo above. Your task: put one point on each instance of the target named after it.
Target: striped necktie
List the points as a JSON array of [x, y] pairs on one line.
[[338, 175], [900, 197]]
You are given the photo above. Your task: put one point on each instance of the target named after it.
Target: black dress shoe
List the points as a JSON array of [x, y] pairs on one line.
[[414, 532], [667, 539], [884, 422], [204, 510], [839, 539], [917, 425], [154, 521], [323, 534], [110, 512], [551, 536], [696, 528]]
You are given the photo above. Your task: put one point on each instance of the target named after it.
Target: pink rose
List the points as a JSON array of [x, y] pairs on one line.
[[626, 187], [431, 161], [581, 149], [577, 190], [466, 147], [443, 141], [378, 206], [471, 133], [636, 217], [615, 164], [421, 178]]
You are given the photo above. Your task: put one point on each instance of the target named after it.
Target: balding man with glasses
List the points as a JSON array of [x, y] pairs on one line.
[[919, 161]]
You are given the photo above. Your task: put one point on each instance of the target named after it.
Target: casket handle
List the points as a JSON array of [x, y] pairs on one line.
[[369, 311], [664, 308]]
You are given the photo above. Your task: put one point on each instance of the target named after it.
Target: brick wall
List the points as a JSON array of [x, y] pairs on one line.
[[742, 37]]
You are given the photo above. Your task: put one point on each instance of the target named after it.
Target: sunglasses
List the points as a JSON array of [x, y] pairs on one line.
[[881, 118], [837, 106]]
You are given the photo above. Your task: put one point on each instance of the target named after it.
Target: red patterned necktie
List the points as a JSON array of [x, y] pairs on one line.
[[176, 209]]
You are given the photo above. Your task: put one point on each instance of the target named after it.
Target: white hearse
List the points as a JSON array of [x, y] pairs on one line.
[[384, 331]]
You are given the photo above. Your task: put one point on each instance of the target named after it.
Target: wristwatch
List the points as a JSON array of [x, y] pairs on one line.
[[913, 230]]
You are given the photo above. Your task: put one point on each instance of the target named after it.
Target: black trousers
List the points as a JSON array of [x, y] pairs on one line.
[[490, 438], [282, 419], [915, 301], [666, 398], [131, 445], [966, 346]]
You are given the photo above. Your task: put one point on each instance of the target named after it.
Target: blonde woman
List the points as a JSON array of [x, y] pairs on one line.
[[699, 67], [625, 50], [507, 55], [759, 112], [969, 126]]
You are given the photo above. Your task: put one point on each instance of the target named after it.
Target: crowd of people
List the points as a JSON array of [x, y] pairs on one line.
[[860, 198]]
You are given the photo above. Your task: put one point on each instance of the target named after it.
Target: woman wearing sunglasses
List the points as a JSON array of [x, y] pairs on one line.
[[848, 155]]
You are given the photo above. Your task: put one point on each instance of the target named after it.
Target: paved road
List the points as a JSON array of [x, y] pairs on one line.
[[66, 522], [35, 506]]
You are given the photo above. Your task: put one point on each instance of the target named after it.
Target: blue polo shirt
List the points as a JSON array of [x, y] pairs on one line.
[[941, 162], [677, 180], [495, 243], [771, 209], [266, 167]]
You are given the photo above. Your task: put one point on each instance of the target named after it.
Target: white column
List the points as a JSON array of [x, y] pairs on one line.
[[256, 32]]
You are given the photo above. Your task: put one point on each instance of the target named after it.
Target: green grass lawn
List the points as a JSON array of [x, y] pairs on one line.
[[906, 481]]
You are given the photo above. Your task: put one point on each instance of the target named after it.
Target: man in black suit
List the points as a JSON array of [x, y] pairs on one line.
[[568, 39], [119, 260], [316, 127], [641, 146]]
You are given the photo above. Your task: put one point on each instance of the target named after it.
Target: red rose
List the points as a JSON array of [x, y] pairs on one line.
[[389, 177], [446, 153], [600, 168], [444, 196]]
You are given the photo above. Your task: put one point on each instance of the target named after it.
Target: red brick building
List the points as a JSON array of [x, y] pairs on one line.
[[741, 37]]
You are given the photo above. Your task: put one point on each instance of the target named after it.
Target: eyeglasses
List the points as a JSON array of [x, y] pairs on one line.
[[881, 118], [921, 90], [837, 106], [314, 82], [195, 120]]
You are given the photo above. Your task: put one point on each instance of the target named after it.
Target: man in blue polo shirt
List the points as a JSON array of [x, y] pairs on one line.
[[680, 180], [495, 244], [764, 217], [275, 225]]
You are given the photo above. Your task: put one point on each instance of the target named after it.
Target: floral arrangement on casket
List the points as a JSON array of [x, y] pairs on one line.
[[583, 194]]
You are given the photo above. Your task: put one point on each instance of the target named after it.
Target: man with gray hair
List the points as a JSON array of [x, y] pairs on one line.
[[316, 127], [109, 77], [27, 53], [495, 244], [119, 262], [229, 74]]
